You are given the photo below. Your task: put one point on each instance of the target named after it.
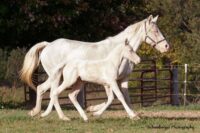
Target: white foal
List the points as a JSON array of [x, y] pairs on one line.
[[104, 72]]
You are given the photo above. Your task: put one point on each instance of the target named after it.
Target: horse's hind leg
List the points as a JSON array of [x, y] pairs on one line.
[[41, 89], [69, 78], [54, 85], [73, 98]]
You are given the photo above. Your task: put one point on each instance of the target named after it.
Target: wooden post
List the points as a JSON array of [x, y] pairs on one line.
[[175, 93], [81, 97], [185, 85], [32, 92], [32, 96]]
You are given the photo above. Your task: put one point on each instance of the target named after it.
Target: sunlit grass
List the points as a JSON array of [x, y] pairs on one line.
[[111, 121]]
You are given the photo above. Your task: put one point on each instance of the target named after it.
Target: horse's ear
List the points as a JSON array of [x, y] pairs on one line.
[[126, 42], [150, 18], [155, 19]]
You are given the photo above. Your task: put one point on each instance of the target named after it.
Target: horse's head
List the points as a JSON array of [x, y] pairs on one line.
[[130, 54], [153, 36]]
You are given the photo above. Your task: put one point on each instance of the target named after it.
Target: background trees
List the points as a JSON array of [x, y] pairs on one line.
[[26, 22]]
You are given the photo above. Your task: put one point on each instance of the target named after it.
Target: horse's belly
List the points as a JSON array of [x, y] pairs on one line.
[[91, 75]]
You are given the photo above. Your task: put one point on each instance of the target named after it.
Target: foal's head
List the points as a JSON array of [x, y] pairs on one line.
[[130, 54], [153, 36]]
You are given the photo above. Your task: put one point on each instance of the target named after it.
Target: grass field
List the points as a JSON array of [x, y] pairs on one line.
[[116, 121], [14, 119]]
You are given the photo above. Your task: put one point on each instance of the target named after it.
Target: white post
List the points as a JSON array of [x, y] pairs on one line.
[[185, 85]]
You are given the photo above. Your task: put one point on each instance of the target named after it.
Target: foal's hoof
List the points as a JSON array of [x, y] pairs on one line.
[[44, 114], [65, 118], [97, 113], [90, 109]]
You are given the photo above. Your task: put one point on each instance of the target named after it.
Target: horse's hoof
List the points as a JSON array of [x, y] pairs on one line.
[[33, 113], [86, 120], [136, 117], [65, 118]]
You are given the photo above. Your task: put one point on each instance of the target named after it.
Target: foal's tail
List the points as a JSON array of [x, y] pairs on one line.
[[31, 62]]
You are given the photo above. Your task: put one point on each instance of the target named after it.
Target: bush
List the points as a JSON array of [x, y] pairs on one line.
[[14, 64], [3, 56]]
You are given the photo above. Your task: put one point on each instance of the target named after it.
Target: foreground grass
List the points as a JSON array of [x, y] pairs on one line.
[[111, 121]]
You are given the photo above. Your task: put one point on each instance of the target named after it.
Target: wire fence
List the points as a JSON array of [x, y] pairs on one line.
[[187, 82]]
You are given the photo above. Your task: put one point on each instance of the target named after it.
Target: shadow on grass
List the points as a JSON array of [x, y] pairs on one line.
[[12, 105]]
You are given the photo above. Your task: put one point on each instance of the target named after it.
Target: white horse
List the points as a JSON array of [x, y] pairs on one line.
[[104, 72], [52, 54]]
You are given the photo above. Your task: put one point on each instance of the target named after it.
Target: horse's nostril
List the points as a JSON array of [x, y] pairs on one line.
[[166, 46]]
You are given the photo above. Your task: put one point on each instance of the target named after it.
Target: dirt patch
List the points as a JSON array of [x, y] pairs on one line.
[[171, 114], [155, 114]]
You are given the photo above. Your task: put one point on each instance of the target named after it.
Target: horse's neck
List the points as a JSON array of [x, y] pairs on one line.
[[137, 38], [135, 41], [134, 33], [116, 55], [119, 38]]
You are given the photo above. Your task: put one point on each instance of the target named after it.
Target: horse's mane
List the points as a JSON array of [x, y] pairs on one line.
[[131, 29]]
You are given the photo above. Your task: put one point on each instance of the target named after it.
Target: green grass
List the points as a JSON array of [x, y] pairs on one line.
[[18, 121], [13, 119]]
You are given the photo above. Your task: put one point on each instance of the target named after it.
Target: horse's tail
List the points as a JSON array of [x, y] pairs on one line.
[[31, 62]]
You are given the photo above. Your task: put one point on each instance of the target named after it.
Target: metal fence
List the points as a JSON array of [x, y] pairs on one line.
[[148, 85]]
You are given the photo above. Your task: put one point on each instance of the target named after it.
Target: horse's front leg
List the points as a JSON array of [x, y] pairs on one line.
[[96, 108], [124, 88], [120, 96], [41, 89]]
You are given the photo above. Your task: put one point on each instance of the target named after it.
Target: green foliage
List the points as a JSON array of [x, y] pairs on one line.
[[14, 65], [180, 22], [3, 58], [23, 23]]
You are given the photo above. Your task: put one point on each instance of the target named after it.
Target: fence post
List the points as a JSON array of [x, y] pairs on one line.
[[81, 97], [175, 95], [185, 85]]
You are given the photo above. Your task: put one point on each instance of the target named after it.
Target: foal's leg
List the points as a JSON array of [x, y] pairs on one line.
[[119, 95], [110, 99], [73, 97], [41, 89], [69, 78], [97, 107], [124, 88]]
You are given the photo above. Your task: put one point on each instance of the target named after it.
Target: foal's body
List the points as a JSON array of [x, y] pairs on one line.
[[104, 72]]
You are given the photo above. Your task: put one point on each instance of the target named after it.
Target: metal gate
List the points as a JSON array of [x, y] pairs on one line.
[[147, 92]]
